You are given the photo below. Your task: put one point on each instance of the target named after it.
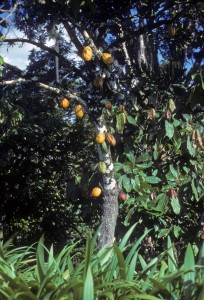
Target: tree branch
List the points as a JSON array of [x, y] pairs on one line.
[[10, 13], [72, 34], [48, 49], [145, 29], [124, 47], [70, 95], [86, 35]]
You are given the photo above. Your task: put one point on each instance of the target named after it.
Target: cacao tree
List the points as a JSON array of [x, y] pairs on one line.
[[144, 59]]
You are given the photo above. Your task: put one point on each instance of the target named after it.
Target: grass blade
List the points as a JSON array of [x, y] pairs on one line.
[[87, 255], [132, 267], [171, 257], [88, 292], [121, 262], [135, 246], [126, 237], [189, 276], [40, 256]]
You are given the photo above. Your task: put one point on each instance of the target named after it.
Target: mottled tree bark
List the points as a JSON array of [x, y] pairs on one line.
[[109, 212]]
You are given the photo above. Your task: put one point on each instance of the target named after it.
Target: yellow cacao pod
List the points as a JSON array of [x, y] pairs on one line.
[[107, 58], [79, 111], [100, 138], [87, 53]]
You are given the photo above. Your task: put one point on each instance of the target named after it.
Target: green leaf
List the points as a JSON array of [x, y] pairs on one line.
[[162, 203], [127, 184], [135, 183], [143, 157], [88, 292], [173, 171], [131, 157], [169, 129], [194, 189], [190, 147], [117, 166], [163, 232], [152, 179], [170, 177], [175, 205], [145, 165], [177, 231], [127, 169], [131, 120]]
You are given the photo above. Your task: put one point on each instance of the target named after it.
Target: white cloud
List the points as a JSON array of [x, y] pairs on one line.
[[17, 54]]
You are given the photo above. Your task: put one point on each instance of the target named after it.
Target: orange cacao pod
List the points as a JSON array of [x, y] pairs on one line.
[[100, 138], [64, 103], [96, 192]]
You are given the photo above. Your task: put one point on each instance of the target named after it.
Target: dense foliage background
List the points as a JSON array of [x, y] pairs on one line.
[[156, 88]]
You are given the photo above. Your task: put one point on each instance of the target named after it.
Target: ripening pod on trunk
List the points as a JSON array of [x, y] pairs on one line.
[[96, 192], [171, 30], [122, 196], [87, 53], [107, 58], [79, 111], [102, 167], [110, 139], [98, 82], [64, 103], [100, 138]]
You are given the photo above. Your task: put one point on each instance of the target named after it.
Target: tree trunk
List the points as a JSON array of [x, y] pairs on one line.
[[109, 211]]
